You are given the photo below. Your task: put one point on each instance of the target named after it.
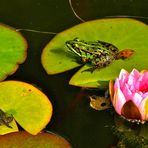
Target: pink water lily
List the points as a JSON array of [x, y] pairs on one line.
[[129, 95]]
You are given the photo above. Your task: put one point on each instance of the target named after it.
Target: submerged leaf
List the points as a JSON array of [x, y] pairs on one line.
[[25, 140], [12, 50], [124, 33], [28, 105]]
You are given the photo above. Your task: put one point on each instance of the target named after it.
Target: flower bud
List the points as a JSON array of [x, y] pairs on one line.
[[129, 94]]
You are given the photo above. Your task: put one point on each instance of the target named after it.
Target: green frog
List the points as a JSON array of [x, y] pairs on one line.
[[98, 53], [5, 119]]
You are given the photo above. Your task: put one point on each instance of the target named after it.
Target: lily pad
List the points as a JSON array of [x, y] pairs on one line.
[[4, 129], [13, 48], [124, 33], [28, 105], [25, 140]]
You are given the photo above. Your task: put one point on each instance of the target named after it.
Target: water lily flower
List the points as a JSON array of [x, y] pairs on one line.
[[129, 94]]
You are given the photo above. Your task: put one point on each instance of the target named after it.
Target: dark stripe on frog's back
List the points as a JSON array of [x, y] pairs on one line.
[[92, 49], [109, 46], [100, 48]]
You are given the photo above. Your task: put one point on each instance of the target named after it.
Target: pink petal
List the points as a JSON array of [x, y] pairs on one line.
[[132, 79], [135, 73], [137, 99], [127, 93], [123, 72], [143, 85], [118, 101], [140, 93], [116, 85], [137, 84], [131, 83], [145, 95], [123, 77]]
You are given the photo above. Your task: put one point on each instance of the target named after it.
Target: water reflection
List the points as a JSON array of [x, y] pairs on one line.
[[130, 134], [86, 10]]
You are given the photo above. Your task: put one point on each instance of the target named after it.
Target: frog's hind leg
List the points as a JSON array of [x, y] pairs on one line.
[[84, 60], [126, 53]]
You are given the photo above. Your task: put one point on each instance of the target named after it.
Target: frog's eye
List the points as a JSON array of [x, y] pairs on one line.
[[77, 45], [76, 39]]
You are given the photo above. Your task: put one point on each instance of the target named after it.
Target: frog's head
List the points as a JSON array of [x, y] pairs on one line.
[[76, 45]]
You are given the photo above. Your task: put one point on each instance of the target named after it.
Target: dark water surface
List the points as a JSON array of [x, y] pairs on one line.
[[82, 126]]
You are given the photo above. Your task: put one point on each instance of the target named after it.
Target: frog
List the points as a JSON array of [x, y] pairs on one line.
[[5, 119], [97, 53]]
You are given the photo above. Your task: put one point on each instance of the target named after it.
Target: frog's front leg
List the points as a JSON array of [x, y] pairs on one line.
[[6, 123], [100, 63], [96, 64], [5, 119]]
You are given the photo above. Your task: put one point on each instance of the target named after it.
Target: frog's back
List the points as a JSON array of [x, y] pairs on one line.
[[109, 47], [105, 53]]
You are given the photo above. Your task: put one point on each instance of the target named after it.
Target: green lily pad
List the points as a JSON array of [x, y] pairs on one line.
[[124, 33], [13, 48], [28, 105], [25, 140]]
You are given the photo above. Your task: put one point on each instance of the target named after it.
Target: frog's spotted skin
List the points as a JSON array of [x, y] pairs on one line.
[[98, 53], [5, 119]]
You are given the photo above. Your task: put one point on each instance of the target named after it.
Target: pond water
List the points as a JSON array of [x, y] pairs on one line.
[[72, 117]]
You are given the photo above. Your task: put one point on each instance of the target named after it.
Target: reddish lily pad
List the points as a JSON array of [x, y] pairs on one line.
[[28, 105], [41, 140], [13, 48], [124, 33]]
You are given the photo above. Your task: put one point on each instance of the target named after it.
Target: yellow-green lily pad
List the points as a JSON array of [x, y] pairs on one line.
[[13, 52], [124, 33], [30, 108], [4, 129], [26, 140]]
